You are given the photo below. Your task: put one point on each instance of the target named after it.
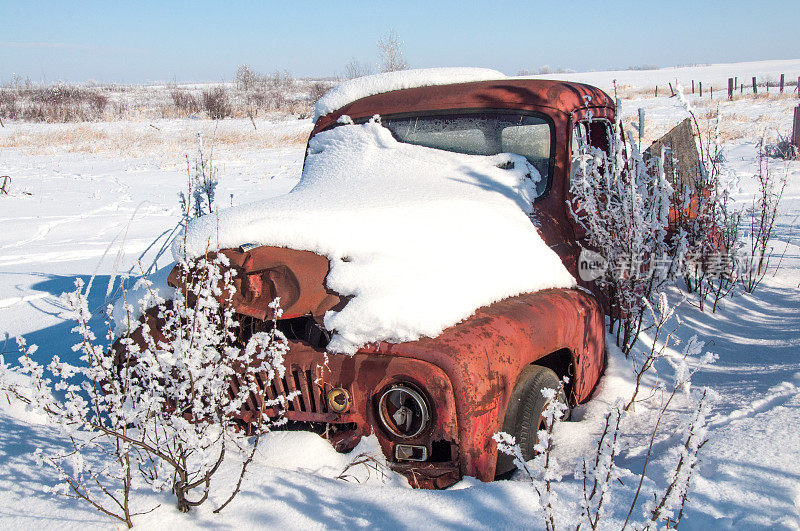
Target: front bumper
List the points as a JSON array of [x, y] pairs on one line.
[[311, 374]]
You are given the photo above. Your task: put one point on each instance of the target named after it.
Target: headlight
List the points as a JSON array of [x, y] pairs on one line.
[[403, 411], [339, 400]]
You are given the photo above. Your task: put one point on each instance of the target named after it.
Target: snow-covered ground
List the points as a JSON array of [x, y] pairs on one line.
[[91, 199], [715, 75]]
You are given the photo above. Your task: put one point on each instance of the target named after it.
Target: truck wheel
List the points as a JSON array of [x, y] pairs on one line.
[[524, 413]]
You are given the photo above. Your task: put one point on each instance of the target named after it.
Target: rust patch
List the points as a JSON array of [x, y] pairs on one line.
[[264, 273]]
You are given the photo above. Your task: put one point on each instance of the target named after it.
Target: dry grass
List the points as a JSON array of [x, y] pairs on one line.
[[140, 139], [279, 94]]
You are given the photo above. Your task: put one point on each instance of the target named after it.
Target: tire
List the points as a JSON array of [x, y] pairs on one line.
[[524, 413]]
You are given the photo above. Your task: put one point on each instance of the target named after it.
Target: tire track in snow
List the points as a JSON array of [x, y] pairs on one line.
[[12, 301], [775, 396], [45, 229]]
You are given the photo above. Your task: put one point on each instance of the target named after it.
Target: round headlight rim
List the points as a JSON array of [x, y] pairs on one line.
[[418, 395], [344, 408]]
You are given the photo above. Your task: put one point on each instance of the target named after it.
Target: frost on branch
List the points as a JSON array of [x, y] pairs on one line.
[[623, 204], [599, 472], [203, 181], [543, 470], [158, 408]]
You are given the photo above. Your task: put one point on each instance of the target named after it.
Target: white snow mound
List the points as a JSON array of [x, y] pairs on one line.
[[420, 238], [361, 87]]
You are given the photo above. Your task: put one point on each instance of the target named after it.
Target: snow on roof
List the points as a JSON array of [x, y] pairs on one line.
[[419, 238], [361, 87]]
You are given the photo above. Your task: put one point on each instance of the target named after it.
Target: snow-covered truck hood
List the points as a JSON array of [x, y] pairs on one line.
[[417, 238]]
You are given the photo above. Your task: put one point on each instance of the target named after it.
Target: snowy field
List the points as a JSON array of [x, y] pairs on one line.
[[92, 200]]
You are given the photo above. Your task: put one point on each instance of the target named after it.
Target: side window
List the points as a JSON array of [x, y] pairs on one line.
[[597, 133]]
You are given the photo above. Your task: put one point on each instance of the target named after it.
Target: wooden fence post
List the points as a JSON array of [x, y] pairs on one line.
[[641, 125], [755, 90], [656, 91], [712, 92], [796, 127], [730, 88], [701, 89], [693, 86], [671, 90], [781, 83], [741, 88]]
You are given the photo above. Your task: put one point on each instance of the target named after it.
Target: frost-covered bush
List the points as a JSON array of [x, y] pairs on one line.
[[157, 408], [758, 229], [52, 103], [623, 203], [543, 470], [705, 223], [599, 473], [203, 181], [246, 77], [390, 52]]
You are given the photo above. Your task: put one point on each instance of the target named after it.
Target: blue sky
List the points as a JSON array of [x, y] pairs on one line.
[[205, 41]]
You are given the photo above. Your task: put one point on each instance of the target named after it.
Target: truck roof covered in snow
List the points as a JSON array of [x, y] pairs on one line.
[[508, 93]]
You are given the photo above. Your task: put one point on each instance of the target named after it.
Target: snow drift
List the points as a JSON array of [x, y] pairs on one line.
[[361, 87], [419, 238]]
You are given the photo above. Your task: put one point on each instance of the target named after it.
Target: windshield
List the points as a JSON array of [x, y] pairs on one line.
[[481, 133]]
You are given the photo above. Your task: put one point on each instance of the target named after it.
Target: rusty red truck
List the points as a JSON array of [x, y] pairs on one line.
[[434, 403]]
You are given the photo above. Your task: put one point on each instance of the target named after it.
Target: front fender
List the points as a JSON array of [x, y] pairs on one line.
[[483, 355]]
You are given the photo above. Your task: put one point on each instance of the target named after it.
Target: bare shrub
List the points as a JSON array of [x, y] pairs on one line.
[[316, 90], [185, 101], [246, 78], [390, 52], [545, 70], [762, 215], [354, 69], [369, 463], [217, 103], [280, 81], [61, 103], [8, 104], [120, 109], [782, 149]]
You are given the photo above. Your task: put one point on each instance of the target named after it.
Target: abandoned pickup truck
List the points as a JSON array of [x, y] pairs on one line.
[[489, 161]]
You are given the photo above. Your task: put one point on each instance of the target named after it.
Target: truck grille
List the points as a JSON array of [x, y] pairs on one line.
[[309, 402]]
